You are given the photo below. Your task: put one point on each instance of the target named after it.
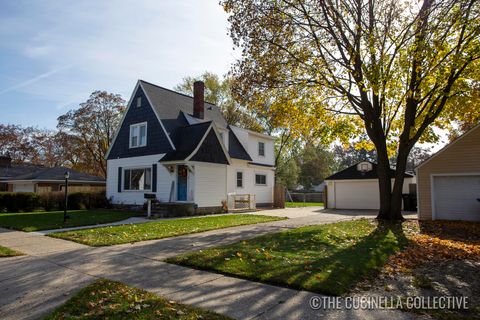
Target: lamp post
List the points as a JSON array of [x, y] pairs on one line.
[[65, 217]]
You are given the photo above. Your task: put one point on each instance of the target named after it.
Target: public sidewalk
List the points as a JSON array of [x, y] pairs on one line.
[[33, 243]]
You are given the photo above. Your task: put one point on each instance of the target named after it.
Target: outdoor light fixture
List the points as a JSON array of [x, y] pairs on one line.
[[65, 216]]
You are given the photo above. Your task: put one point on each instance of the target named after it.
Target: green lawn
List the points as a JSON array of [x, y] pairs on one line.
[[107, 236], [289, 204], [33, 221], [105, 299], [7, 252], [327, 259]]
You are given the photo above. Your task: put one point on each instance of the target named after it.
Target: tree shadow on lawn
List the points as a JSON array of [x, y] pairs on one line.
[[363, 259], [311, 259]]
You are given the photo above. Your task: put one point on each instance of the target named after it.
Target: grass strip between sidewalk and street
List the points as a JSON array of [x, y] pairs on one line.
[[112, 235], [328, 259], [105, 299], [7, 252]]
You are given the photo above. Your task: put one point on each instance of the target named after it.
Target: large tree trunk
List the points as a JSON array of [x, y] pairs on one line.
[[391, 199], [384, 184]]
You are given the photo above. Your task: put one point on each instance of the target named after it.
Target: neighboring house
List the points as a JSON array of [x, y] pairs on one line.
[[449, 181], [39, 179], [181, 149], [357, 187], [319, 187]]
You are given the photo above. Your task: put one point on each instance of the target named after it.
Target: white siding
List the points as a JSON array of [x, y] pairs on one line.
[[263, 194], [210, 184], [357, 194], [269, 157], [250, 141], [23, 187], [164, 179]]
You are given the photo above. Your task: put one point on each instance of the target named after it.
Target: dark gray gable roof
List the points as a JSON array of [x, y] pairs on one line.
[[235, 147], [57, 173], [186, 139], [351, 173], [168, 104], [14, 170]]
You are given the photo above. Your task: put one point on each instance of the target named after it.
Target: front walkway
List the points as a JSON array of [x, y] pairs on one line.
[[33, 285]]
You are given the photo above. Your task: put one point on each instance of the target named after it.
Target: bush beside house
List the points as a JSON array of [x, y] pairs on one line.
[[29, 201]]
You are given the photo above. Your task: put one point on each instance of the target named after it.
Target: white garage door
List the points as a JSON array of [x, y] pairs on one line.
[[455, 197], [357, 195], [23, 187]]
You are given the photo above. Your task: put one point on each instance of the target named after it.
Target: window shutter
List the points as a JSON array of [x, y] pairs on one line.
[[119, 179], [154, 178]]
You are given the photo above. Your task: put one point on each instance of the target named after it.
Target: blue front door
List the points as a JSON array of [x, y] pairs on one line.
[[182, 173]]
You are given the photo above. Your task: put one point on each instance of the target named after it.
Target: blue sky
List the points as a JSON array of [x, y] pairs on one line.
[[53, 54]]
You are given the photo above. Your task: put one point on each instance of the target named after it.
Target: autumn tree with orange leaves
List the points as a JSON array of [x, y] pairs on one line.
[[386, 68], [91, 128]]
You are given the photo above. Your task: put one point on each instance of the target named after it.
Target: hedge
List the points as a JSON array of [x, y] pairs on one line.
[[29, 201]]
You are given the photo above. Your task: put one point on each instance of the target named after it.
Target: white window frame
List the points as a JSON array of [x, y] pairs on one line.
[[136, 168], [130, 136], [262, 143], [139, 102], [236, 179], [261, 174]]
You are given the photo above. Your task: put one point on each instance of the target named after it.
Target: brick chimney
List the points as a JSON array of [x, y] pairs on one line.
[[5, 161], [198, 99]]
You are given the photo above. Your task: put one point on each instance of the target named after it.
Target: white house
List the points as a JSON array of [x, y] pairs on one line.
[[357, 187], [181, 149]]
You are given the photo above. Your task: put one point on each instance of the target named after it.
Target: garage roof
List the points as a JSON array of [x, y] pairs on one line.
[[351, 173]]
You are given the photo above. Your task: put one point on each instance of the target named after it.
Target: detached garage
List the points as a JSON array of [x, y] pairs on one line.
[[357, 187], [449, 181]]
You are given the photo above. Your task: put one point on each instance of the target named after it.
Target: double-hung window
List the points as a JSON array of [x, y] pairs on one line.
[[239, 179], [137, 179], [261, 149], [138, 135], [261, 179]]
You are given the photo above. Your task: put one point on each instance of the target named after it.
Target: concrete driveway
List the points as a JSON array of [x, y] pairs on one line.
[[33, 285], [320, 215]]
